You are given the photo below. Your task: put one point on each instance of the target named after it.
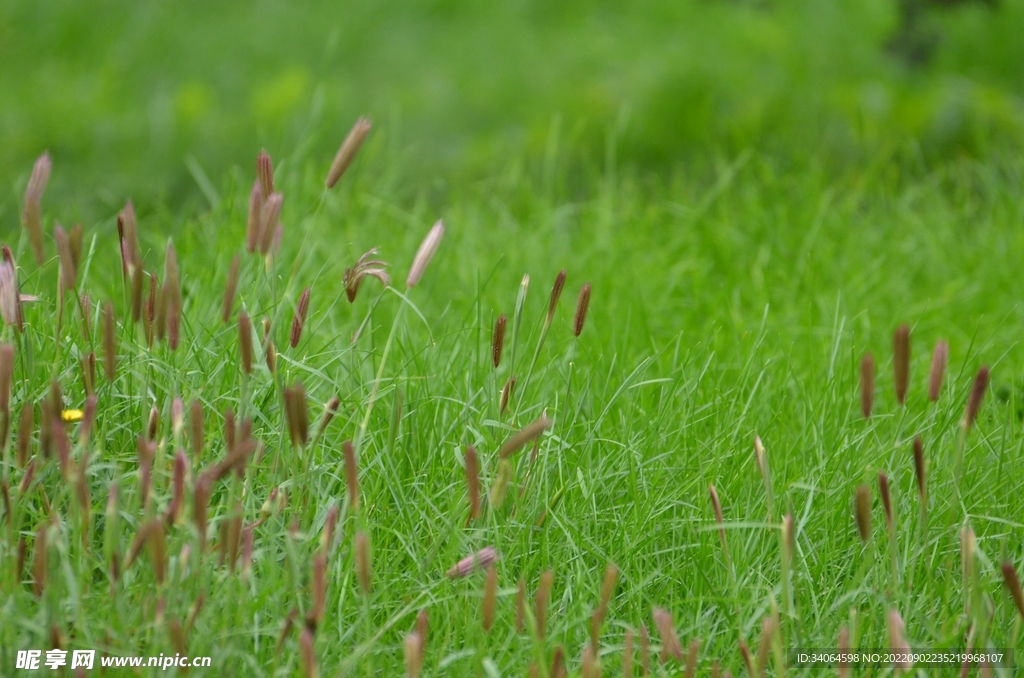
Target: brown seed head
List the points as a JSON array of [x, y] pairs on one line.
[[499, 488], [506, 393], [318, 590], [940, 357], [252, 225], [556, 293], [540, 601], [421, 631], [297, 414], [6, 380], [351, 475], [330, 525], [269, 218], [582, 304], [330, 410], [347, 151], [844, 648], [558, 663], [308, 653], [670, 646], [153, 425], [9, 295], [68, 266], [691, 658], [366, 266], [138, 278], [867, 384], [425, 253], [413, 649], [245, 341], [230, 290], [498, 340], [528, 433], [299, 320], [40, 567], [769, 628], [645, 651], [521, 605], [977, 395], [490, 598], [1012, 582], [590, 667], [898, 640], [265, 172], [31, 216], [864, 512], [901, 362], [363, 562], [128, 230], [883, 489], [788, 537], [627, 655], [473, 482], [919, 470], [480, 560]]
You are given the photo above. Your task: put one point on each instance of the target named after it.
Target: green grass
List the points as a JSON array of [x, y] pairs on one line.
[[723, 308]]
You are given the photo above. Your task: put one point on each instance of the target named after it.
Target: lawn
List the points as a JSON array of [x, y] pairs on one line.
[[193, 496]]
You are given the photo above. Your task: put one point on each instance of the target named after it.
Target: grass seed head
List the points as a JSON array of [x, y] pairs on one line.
[[254, 221], [31, 215], [6, 381], [1012, 582], [590, 666], [977, 395], [898, 640], [901, 362], [867, 384], [556, 293], [297, 414], [88, 368], [270, 216], [138, 278], [476, 562], [153, 425], [863, 512], [422, 625], [12, 281], [541, 600], [308, 654], [330, 410], [670, 646], [919, 470], [883, 489], [413, 649], [318, 593], [26, 480], [940, 357], [645, 651], [245, 342], [490, 598], [40, 568], [692, 653], [299, 319], [582, 305], [558, 663], [347, 151], [68, 263], [844, 648], [506, 393], [425, 253], [498, 340], [177, 488], [362, 547], [499, 488], [230, 290], [351, 475], [473, 482], [520, 438], [769, 628], [265, 172], [128, 231], [365, 267], [9, 295]]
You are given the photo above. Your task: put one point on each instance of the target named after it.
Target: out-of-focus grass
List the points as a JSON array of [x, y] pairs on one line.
[[127, 91]]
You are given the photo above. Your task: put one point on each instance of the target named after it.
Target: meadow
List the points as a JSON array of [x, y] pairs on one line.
[[223, 439]]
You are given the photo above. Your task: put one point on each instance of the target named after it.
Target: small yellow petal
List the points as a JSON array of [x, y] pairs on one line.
[[71, 415]]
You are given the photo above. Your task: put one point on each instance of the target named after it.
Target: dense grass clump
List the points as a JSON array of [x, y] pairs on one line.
[[306, 432]]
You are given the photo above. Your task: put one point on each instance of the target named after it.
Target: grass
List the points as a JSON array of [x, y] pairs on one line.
[[721, 309]]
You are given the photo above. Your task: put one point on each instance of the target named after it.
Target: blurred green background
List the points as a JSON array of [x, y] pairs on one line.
[[123, 93]]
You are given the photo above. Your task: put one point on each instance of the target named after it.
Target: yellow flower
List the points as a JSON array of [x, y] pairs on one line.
[[71, 415]]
